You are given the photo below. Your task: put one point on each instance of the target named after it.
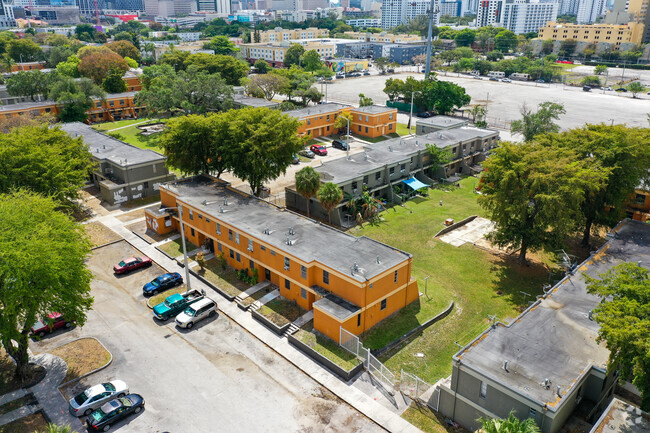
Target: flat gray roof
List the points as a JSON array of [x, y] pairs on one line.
[[555, 338], [622, 417], [373, 109], [253, 102], [317, 109], [104, 147], [310, 242], [442, 121], [376, 156], [334, 305], [449, 137]]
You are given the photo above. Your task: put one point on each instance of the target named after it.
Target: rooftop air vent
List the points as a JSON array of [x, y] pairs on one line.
[[547, 383], [225, 202], [365, 156], [505, 365], [220, 209], [558, 391], [291, 232], [378, 261], [390, 148], [267, 231]]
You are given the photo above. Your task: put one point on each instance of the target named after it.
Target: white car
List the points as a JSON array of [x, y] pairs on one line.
[[608, 88], [506, 80], [196, 312], [89, 400]]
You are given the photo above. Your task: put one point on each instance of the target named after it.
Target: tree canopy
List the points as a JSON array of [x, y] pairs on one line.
[[42, 269], [221, 45], [293, 55], [307, 184], [538, 122], [46, 160], [624, 319], [124, 49], [329, 195], [512, 424], [27, 83], [97, 62], [74, 97]]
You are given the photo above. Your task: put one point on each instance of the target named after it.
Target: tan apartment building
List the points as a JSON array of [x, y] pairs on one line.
[[383, 37], [273, 52], [279, 34], [615, 34]]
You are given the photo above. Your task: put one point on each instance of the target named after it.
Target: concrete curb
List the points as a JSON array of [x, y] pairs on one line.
[[106, 244], [61, 385]]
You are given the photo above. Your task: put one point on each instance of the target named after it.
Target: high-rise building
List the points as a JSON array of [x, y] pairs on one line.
[[640, 9], [87, 7], [397, 12], [518, 16], [6, 15], [569, 7], [589, 10], [451, 8], [218, 6]]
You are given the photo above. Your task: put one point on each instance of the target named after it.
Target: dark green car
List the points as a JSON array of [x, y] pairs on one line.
[[176, 303]]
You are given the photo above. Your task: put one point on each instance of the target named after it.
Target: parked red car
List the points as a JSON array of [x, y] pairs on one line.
[[50, 324], [318, 149], [131, 264]]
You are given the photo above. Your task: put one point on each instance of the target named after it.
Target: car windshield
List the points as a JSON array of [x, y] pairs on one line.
[[99, 415], [190, 312], [126, 402], [122, 263], [109, 387], [81, 398], [167, 304], [155, 283]]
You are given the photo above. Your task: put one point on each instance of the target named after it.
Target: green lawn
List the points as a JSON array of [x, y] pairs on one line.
[[479, 282], [326, 347], [132, 136], [225, 279], [175, 248], [424, 419], [281, 311], [402, 129], [107, 126]]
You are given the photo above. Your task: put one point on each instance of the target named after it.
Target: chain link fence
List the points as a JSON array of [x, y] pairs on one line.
[[379, 371]]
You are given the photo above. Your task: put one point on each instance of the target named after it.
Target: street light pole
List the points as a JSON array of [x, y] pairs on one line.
[[411, 115], [187, 268], [348, 146]]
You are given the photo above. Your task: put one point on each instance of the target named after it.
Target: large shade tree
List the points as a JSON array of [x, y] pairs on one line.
[[42, 269], [624, 319], [307, 184], [538, 122], [44, 159], [533, 193]]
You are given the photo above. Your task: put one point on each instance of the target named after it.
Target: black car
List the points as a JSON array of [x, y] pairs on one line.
[[621, 89], [337, 144], [115, 410], [423, 115], [586, 88], [366, 72]]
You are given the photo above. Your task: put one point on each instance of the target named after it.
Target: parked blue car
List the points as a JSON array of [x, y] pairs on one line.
[[162, 283]]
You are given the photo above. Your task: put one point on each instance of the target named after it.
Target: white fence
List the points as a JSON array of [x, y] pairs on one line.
[[413, 386], [352, 344]]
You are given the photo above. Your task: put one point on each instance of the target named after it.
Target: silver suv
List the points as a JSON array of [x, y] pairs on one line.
[[196, 312]]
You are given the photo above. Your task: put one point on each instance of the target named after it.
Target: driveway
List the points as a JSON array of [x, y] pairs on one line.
[[216, 377]]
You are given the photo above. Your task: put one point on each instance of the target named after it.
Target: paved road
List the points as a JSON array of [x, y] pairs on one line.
[[504, 100], [216, 377]]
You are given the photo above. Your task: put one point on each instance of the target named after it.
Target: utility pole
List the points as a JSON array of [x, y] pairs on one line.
[[432, 11], [411, 115]]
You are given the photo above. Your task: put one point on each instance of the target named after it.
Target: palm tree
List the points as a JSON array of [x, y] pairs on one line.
[[53, 428], [307, 183], [330, 196], [512, 424]]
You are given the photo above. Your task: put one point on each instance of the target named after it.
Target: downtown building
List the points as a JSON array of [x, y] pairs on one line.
[[398, 12], [518, 16]]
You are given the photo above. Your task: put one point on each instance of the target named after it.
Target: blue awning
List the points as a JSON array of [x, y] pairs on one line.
[[415, 184]]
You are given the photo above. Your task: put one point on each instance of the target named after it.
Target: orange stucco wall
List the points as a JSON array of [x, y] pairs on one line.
[[320, 125], [374, 125], [295, 282]]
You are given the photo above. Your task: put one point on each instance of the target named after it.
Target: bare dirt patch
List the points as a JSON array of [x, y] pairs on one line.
[[140, 228], [131, 215], [100, 234], [9, 382], [324, 412], [35, 422], [82, 356]]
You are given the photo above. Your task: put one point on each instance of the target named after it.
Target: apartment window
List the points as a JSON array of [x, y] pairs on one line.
[[532, 413], [367, 118], [359, 128], [250, 245], [146, 185], [219, 247], [395, 278], [391, 171], [328, 127], [308, 121], [402, 168], [378, 175], [154, 168], [360, 117], [390, 127], [232, 254], [328, 117], [383, 304], [366, 129], [229, 234], [192, 231], [238, 257], [237, 238], [262, 247], [191, 215], [200, 216], [303, 293], [365, 180], [287, 284], [326, 277], [218, 228], [390, 116], [371, 285], [207, 220], [272, 252], [287, 264], [354, 185], [111, 103], [121, 101], [483, 393], [303, 272]]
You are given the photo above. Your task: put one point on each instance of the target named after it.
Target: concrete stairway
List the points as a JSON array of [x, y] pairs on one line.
[[264, 299]]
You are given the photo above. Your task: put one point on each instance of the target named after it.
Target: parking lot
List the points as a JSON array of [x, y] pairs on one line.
[[215, 377], [504, 100]]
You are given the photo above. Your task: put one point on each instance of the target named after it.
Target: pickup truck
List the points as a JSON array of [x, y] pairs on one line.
[[176, 303]]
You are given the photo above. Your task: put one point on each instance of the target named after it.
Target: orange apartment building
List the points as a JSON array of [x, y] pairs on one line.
[[374, 121], [115, 106], [318, 121], [27, 66], [638, 207], [350, 282]]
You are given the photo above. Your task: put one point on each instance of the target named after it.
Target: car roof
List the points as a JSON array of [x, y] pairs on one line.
[[201, 303], [111, 406], [175, 297], [131, 259], [54, 315], [95, 389]]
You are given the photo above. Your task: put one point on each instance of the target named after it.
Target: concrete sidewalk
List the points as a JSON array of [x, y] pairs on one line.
[[354, 397]]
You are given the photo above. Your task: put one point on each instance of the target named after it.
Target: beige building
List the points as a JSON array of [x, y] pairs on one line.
[[383, 37], [615, 34], [279, 34], [274, 52]]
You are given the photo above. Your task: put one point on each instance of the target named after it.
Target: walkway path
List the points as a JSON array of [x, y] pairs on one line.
[[365, 404]]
